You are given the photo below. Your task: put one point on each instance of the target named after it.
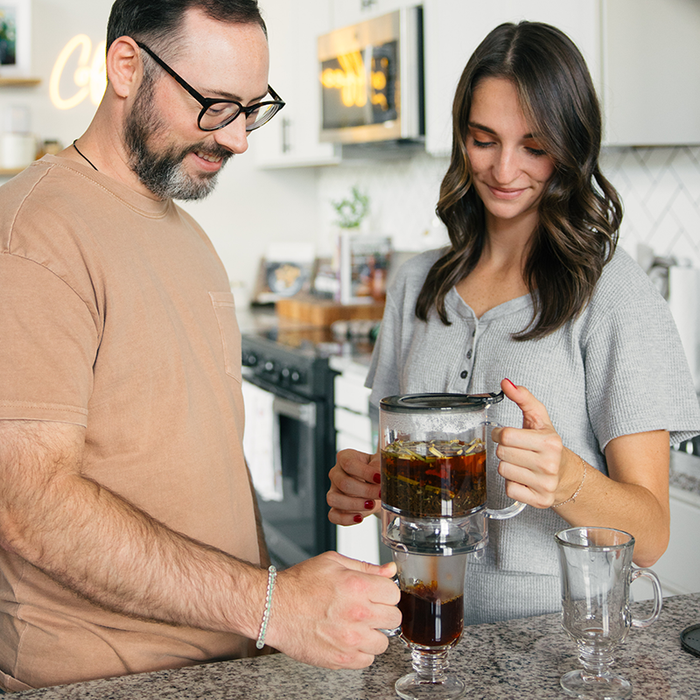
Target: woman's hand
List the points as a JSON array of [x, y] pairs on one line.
[[354, 492], [541, 472], [537, 468]]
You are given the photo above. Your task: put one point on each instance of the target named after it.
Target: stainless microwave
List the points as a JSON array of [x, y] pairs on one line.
[[371, 79]]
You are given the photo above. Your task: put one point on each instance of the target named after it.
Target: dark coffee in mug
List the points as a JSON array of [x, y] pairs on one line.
[[427, 620]]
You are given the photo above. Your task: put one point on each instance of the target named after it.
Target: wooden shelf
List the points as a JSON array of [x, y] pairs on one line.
[[18, 82]]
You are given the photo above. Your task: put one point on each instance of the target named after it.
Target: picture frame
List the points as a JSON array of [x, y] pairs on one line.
[[15, 38], [285, 270], [363, 267]]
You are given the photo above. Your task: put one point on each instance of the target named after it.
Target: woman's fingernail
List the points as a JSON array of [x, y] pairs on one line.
[[369, 505], [377, 478], [511, 383], [358, 518]]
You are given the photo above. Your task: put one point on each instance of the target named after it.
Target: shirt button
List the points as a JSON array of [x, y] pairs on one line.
[[464, 374], [469, 355]]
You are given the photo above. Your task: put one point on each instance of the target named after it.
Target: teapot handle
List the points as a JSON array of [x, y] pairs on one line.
[[515, 507]]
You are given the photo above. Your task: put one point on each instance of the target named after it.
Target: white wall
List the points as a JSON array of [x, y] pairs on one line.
[[660, 189]]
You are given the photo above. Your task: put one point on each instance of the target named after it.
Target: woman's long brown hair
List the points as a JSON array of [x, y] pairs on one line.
[[579, 213]]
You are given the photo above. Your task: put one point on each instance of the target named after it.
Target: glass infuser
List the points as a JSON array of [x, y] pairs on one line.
[[433, 450]]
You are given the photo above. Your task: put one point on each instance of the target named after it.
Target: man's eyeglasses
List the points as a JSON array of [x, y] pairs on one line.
[[216, 113]]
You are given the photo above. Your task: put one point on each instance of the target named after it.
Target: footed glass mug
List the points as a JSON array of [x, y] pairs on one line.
[[432, 609], [596, 573]]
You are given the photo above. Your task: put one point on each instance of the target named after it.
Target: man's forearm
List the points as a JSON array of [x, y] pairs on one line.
[[106, 550]]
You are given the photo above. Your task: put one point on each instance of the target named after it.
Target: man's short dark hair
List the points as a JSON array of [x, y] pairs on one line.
[[157, 22]]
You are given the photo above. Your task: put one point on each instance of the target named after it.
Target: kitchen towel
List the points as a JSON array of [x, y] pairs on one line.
[[261, 442]]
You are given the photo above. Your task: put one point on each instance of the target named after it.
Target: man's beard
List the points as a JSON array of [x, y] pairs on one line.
[[163, 173]]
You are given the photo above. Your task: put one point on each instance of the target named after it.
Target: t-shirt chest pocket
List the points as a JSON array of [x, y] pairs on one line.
[[224, 308]]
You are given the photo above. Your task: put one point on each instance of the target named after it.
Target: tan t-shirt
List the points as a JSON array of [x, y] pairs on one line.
[[116, 314]]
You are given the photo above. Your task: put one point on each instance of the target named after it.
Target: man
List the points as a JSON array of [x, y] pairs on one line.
[[128, 539]]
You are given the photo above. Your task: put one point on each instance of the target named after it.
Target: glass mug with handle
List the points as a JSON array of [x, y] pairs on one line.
[[432, 610], [596, 574], [433, 450]]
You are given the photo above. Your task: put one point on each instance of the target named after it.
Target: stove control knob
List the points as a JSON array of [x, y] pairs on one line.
[[296, 376], [269, 366], [249, 359], [285, 374]]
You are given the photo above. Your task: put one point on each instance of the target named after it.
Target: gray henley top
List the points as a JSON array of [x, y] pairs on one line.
[[618, 369]]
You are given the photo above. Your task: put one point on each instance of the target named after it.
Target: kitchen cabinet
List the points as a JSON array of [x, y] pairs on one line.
[[679, 567], [454, 28], [291, 138], [651, 72], [354, 431], [643, 55]]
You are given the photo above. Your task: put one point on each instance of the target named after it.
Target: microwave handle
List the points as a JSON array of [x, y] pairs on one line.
[[303, 412]]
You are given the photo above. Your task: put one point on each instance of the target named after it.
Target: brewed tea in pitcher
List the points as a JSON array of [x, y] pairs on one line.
[[434, 478]]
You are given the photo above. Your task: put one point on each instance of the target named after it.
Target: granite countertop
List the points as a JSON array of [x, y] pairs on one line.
[[513, 659]]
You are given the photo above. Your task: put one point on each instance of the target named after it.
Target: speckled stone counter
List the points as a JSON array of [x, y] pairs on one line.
[[514, 659]]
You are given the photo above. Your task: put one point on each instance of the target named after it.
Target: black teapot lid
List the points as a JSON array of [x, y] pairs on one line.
[[408, 403]]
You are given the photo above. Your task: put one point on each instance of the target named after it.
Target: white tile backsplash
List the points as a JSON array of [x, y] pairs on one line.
[[660, 190]]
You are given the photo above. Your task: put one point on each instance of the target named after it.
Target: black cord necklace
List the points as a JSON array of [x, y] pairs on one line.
[[84, 157]]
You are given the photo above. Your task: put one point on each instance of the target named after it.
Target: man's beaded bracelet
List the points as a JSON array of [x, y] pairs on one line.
[[271, 577]]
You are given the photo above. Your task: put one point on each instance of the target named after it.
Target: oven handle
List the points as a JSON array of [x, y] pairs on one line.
[[298, 408], [304, 412]]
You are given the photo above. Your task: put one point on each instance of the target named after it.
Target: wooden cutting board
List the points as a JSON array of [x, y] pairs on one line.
[[323, 312]]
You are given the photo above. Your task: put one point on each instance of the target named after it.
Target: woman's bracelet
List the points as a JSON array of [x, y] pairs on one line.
[[271, 577], [578, 490]]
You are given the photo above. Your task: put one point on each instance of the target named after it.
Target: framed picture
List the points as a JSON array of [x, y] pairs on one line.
[[15, 38], [363, 266], [285, 270]]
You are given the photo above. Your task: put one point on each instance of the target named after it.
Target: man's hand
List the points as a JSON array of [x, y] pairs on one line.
[[327, 611]]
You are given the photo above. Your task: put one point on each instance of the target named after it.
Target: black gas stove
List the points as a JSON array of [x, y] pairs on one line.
[[293, 362], [292, 365]]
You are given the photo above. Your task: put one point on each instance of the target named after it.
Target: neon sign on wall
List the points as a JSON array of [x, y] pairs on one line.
[[90, 77]]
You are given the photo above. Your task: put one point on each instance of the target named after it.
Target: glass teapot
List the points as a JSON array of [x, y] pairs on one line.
[[433, 450]]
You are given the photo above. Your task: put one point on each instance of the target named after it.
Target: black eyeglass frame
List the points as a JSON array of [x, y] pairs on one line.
[[207, 102]]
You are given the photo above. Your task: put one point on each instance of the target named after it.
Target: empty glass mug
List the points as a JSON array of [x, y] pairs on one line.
[[596, 573]]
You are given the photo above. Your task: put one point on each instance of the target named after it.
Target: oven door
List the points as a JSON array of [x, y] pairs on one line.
[[294, 517]]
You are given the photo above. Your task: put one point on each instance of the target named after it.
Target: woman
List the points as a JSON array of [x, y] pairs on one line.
[[532, 288]]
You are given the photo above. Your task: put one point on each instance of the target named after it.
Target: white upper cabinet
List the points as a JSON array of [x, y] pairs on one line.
[[643, 55], [292, 137], [454, 28], [651, 72]]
